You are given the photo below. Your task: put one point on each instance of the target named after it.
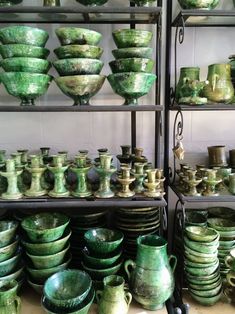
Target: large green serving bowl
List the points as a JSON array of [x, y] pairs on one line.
[[26, 86], [125, 38], [133, 52], [25, 64], [8, 251], [7, 232], [221, 224], [76, 35], [21, 50], [132, 65], [78, 66], [23, 35], [9, 265], [79, 51], [45, 227], [131, 86], [92, 3], [80, 87], [201, 234]]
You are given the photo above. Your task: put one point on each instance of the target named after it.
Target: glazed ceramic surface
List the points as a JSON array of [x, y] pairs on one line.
[[78, 51], [9, 302], [25, 64], [92, 2], [99, 274], [144, 3], [186, 74], [221, 224], [201, 234], [133, 52], [208, 301], [99, 261], [7, 232], [21, 50], [132, 65], [9, 265], [51, 3], [4, 3], [77, 66], [8, 251], [198, 4], [125, 38], [35, 286], [75, 35], [230, 260]]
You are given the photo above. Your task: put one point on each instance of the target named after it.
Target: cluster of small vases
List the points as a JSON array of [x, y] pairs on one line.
[[24, 62], [46, 245], [132, 77], [229, 290], [79, 66], [198, 4], [201, 264]]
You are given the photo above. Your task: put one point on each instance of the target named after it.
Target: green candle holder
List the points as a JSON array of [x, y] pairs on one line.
[[24, 155], [125, 157], [17, 157], [139, 175], [138, 156], [2, 157], [11, 174], [81, 169], [192, 182], [211, 182], [161, 178], [125, 179], [152, 185]]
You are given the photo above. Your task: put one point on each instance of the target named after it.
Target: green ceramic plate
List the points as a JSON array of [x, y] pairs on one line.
[[201, 234], [221, 224]]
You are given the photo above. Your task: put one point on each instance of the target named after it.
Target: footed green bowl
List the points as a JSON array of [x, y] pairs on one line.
[[99, 274], [79, 51], [131, 86], [133, 52], [132, 65], [94, 260], [7, 232], [76, 35], [25, 64], [23, 35], [9, 265], [78, 66], [8, 251], [80, 87], [201, 234], [21, 50], [26, 86], [92, 3], [125, 38]]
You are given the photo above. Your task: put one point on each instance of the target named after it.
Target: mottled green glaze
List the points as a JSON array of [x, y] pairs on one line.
[[202, 247], [131, 85], [7, 232], [125, 38], [45, 227], [230, 260], [221, 224], [208, 301], [16, 274], [26, 86], [12, 175], [75, 35], [132, 52], [205, 271], [207, 293], [196, 281], [80, 87], [24, 64], [51, 3], [77, 66], [132, 65], [8, 251], [100, 274], [198, 4], [99, 261], [10, 303], [81, 169], [201, 234], [78, 51], [21, 50], [92, 3], [23, 35], [186, 74], [36, 286], [9, 265]]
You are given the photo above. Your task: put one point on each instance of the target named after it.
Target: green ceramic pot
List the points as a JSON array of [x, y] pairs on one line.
[[36, 286], [131, 86], [9, 265], [208, 301], [80, 87], [78, 51], [92, 3], [125, 38], [100, 261], [21, 50], [8, 251], [133, 52], [22, 64], [132, 65], [100, 274], [186, 74], [23, 35], [45, 227], [202, 271], [201, 247], [77, 36], [201, 234], [7, 232], [26, 86], [77, 66], [5, 3], [221, 224], [198, 4]]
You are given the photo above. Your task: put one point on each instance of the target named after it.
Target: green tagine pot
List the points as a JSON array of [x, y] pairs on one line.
[[75, 35], [132, 65], [78, 51], [22, 50], [25, 64]]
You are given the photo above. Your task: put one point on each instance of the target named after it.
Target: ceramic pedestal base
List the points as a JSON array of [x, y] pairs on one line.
[[81, 194], [7, 196], [102, 194], [57, 194], [35, 194], [126, 194]]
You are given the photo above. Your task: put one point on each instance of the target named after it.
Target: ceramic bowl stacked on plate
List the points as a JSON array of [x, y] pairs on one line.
[[132, 77], [46, 245], [24, 62], [79, 66], [134, 222], [201, 264]]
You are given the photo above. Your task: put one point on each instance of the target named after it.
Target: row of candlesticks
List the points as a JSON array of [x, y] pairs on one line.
[[42, 175]]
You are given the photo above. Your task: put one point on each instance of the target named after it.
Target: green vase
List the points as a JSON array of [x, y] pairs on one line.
[[10, 303], [151, 280], [11, 174], [186, 74]]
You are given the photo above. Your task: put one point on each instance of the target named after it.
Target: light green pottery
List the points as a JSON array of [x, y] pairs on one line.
[[132, 65], [78, 66], [139, 174], [99, 274], [11, 174], [10, 303], [36, 286], [113, 299], [21, 50], [126, 38], [202, 271], [208, 293], [7, 232], [186, 74], [207, 301], [231, 278], [23, 35], [6, 3], [232, 63], [9, 265], [92, 3], [25, 64], [133, 52], [201, 234], [8, 251], [230, 260], [78, 51], [51, 3], [79, 36], [221, 224], [152, 280], [98, 260], [197, 282], [198, 4], [227, 244], [144, 3], [125, 179], [231, 183], [201, 247]]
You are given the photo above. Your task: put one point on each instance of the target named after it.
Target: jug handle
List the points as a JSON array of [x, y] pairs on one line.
[[128, 263], [128, 297], [228, 260], [214, 81], [18, 304], [174, 259], [230, 279], [98, 295]]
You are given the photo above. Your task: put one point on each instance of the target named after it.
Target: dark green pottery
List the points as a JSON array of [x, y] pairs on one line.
[[221, 212], [9, 250], [36, 286], [207, 293], [208, 301], [133, 52], [221, 224], [198, 4], [78, 51], [79, 36], [204, 271], [77, 66], [7, 232], [94, 260], [21, 50], [10, 303], [125, 38], [16, 274], [9, 265], [92, 3], [202, 247], [99, 274], [25, 64], [132, 65]]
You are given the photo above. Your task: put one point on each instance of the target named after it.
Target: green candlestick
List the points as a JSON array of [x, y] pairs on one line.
[[17, 157], [152, 184], [11, 174], [24, 156], [2, 156], [81, 169], [125, 180], [138, 173]]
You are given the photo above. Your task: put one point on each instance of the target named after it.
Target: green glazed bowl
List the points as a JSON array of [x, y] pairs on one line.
[[24, 64], [221, 224], [9, 265], [207, 293], [201, 234], [36, 286], [8, 251], [68, 288], [132, 65], [23, 35], [131, 85], [195, 219], [227, 244], [202, 271], [80, 87], [133, 52], [15, 275], [79, 36], [7, 232], [21, 50], [203, 283], [92, 3], [202, 247], [48, 248], [198, 4], [199, 265], [102, 240], [221, 212], [77, 66], [208, 301], [99, 274], [26, 86], [79, 51], [199, 259], [100, 261], [125, 38], [45, 227], [4, 3]]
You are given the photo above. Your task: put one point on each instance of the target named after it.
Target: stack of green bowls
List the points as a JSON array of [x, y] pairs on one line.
[[132, 77], [24, 62], [46, 245], [201, 264], [79, 66]]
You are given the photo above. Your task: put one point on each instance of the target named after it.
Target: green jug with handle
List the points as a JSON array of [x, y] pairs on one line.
[[151, 279], [10, 303]]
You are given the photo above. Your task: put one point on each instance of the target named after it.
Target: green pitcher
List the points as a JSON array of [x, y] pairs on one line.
[[151, 281], [186, 74], [114, 299], [9, 301]]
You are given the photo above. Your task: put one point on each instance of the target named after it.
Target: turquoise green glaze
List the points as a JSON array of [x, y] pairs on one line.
[[133, 52], [25, 64], [23, 35], [92, 3], [144, 3], [10, 303], [201, 234], [75, 35], [26, 86], [80, 87], [6, 3], [151, 280], [198, 4], [58, 169], [100, 261], [7, 232], [132, 65], [36, 286], [76, 66], [78, 51], [208, 301], [81, 169], [21, 50], [131, 86], [17, 274], [8, 251], [100, 274], [11, 174], [125, 38], [9, 265]]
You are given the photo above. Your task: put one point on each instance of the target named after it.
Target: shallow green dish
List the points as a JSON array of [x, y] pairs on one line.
[[23, 35], [76, 35], [132, 65], [208, 301], [79, 51], [8, 251], [199, 259], [7, 232], [92, 2], [207, 293], [133, 52], [202, 271], [25, 64], [201, 234], [100, 261], [9, 265], [78, 66], [202, 247], [99, 274], [221, 224], [125, 38], [21, 50]]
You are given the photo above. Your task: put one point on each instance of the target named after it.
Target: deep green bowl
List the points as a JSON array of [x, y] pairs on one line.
[[201, 234], [23, 35], [92, 2], [45, 227], [221, 224], [200, 259], [100, 261], [7, 232], [48, 248], [125, 38], [16, 274], [133, 52], [9, 265], [207, 293], [21, 50], [79, 36], [99, 274], [80, 87], [208, 301], [26, 86], [195, 219], [68, 288], [78, 51], [202, 247], [8, 251], [227, 244], [194, 281], [36, 286], [103, 240], [25, 64], [132, 65], [131, 85], [78, 66], [202, 271]]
